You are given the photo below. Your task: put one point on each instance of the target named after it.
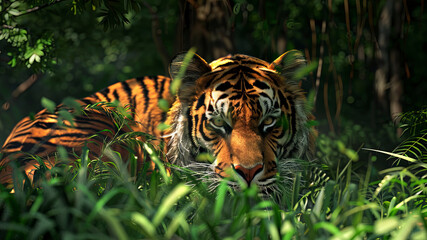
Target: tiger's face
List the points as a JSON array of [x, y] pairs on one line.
[[244, 113]]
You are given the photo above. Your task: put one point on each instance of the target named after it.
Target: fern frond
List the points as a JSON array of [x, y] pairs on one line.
[[414, 147], [414, 122]]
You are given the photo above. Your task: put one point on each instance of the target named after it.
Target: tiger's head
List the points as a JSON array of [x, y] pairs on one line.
[[250, 115]]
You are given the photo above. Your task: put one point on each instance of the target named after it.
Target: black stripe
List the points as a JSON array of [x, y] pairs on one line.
[[86, 101], [243, 69], [200, 101], [233, 75], [202, 128], [116, 95], [224, 86], [44, 125], [224, 95], [283, 100], [292, 130], [162, 86], [127, 90], [190, 125], [90, 129], [235, 96], [105, 93], [261, 85], [44, 141], [13, 144], [282, 134], [156, 83], [47, 138], [145, 94], [83, 120], [250, 62], [21, 134], [28, 147], [227, 64], [217, 167], [264, 95], [210, 107], [163, 116]]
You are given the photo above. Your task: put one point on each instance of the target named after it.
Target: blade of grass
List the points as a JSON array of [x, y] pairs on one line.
[[154, 157], [110, 216], [177, 193], [393, 155], [219, 203], [178, 220], [146, 226], [101, 202]]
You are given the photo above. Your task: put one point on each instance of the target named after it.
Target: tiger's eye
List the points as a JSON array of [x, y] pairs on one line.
[[268, 121], [219, 122]]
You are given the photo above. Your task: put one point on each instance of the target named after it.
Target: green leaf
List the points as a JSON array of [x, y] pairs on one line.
[[163, 105], [33, 58], [386, 225], [72, 103], [66, 115], [162, 126], [14, 12], [407, 226], [48, 104], [205, 157]]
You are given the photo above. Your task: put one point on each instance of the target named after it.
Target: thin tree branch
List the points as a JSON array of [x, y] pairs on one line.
[[21, 89], [7, 26], [34, 9], [5, 8], [320, 65]]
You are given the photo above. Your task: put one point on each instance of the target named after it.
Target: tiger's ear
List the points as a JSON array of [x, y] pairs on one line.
[[196, 67], [289, 65]]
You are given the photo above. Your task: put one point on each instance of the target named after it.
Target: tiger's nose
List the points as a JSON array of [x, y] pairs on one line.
[[248, 173]]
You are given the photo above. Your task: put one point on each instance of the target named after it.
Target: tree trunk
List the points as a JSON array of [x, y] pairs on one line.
[[205, 25], [382, 55], [396, 73], [388, 76]]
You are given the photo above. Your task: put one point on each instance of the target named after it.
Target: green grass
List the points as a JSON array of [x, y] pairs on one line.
[[96, 200]]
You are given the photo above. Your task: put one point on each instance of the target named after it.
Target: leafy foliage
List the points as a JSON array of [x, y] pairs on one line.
[[414, 125], [98, 199]]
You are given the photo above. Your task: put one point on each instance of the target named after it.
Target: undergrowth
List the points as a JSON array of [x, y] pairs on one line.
[[107, 202], [104, 200]]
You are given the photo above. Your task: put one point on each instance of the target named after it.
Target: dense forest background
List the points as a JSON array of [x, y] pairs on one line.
[[367, 57]]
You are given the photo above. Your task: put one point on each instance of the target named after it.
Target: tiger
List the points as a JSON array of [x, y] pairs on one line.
[[249, 115]]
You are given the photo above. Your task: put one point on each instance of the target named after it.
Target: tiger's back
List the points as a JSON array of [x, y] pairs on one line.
[[42, 134]]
